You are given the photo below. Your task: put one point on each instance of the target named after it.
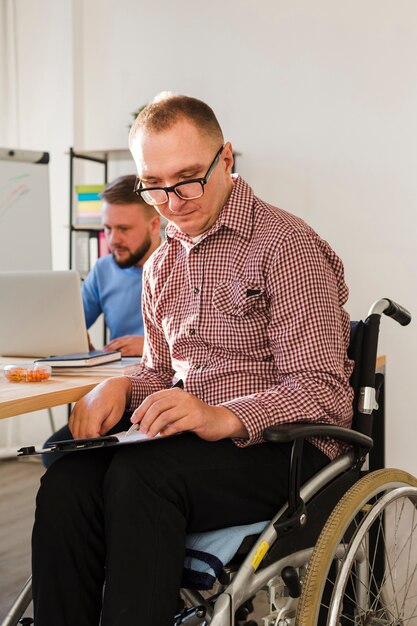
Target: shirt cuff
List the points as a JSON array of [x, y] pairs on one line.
[[137, 393], [253, 416]]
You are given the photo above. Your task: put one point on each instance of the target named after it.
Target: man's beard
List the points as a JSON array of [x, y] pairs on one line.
[[135, 257]]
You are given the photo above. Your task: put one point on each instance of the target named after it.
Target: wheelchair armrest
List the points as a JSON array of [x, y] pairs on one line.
[[283, 433], [296, 433]]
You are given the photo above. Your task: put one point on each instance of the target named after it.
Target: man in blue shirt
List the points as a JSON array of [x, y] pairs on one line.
[[114, 284]]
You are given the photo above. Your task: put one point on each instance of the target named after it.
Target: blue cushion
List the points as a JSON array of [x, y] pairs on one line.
[[207, 553]]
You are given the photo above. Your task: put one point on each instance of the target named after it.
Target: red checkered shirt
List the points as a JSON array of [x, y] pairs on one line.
[[250, 317]]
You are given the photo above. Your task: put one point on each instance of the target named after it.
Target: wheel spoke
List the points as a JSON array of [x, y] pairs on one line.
[[371, 535]]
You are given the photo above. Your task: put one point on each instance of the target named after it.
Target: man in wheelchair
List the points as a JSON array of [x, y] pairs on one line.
[[244, 304]]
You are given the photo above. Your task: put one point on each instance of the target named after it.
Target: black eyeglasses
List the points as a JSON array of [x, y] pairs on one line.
[[187, 190]]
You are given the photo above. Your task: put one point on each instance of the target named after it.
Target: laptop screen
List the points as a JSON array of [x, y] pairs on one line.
[[41, 314]]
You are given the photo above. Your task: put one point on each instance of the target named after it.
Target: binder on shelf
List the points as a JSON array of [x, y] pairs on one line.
[[88, 205], [82, 254], [93, 249], [103, 248]]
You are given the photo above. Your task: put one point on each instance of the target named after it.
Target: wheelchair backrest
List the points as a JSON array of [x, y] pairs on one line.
[[360, 422], [363, 348]]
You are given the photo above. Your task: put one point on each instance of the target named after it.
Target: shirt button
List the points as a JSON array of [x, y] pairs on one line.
[[196, 290], [197, 366], [192, 331], [196, 250]]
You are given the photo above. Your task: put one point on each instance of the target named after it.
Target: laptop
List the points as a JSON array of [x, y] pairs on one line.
[[41, 313]]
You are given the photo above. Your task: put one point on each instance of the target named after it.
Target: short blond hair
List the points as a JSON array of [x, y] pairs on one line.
[[168, 108]]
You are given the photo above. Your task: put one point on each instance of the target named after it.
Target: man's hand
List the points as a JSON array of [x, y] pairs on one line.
[[129, 345], [173, 411], [90, 345], [100, 409]]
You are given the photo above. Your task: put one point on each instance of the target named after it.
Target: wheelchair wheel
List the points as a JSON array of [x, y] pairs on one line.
[[363, 570]]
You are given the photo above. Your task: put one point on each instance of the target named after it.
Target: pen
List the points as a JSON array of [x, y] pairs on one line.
[[179, 384]]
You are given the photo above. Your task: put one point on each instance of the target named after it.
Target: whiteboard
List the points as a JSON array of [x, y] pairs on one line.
[[25, 223]]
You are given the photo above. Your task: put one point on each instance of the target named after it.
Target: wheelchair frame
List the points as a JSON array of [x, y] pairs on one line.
[[296, 581], [325, 521]]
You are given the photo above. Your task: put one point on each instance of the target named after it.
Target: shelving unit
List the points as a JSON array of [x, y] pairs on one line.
[[84, 245], [103, 158]]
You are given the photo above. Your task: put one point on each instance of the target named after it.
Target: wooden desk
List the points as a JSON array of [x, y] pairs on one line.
[[380, 363], [18, 398]]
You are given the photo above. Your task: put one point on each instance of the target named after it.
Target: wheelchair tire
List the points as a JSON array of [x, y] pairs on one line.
[[366, 527]]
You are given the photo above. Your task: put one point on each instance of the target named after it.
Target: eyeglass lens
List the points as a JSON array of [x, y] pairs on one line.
[[185, 191]]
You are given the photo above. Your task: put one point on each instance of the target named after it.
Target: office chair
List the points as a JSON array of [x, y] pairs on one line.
[[342, 551]]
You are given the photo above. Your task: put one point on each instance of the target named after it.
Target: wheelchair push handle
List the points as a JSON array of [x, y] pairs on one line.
[[398, 313], [391, 309]]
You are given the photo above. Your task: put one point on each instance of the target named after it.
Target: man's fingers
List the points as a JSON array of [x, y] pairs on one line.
[[83, 428], [112, 345], [106, 425], [158, 415], [168, 395], [119, 342], [167, 424]]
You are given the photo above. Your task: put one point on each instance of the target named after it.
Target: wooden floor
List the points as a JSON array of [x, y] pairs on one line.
[[19, 482]]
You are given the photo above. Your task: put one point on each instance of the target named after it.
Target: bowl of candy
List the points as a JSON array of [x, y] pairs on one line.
[[27, 373]]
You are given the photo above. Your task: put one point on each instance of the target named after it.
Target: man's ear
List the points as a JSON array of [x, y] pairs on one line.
[[155, 223], [227, 156]]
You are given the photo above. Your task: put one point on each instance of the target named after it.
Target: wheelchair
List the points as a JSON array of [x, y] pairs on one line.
[[342, 551]]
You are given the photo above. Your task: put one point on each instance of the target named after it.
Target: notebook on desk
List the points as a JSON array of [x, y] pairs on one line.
[[41, 313]]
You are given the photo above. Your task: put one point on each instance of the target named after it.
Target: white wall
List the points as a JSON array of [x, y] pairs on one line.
[[320, 98]]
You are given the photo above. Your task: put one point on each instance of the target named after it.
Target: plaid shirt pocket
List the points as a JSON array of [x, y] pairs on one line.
[[237, 298]]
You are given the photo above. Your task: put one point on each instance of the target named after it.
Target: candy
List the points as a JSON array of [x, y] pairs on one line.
[[27, 373]]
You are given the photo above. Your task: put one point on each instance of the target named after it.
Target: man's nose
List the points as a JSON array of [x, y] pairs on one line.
[[113, 238], [174, 202]]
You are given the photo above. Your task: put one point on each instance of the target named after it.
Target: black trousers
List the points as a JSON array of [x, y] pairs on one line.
[[116, 519]]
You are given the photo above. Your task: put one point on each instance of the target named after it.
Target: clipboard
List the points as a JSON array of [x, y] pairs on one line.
[[73, 445]]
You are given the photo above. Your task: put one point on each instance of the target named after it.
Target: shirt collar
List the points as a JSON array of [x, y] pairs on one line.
[[237, 214]]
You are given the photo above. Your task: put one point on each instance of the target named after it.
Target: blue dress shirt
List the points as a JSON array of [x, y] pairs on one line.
[[116, 293]]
